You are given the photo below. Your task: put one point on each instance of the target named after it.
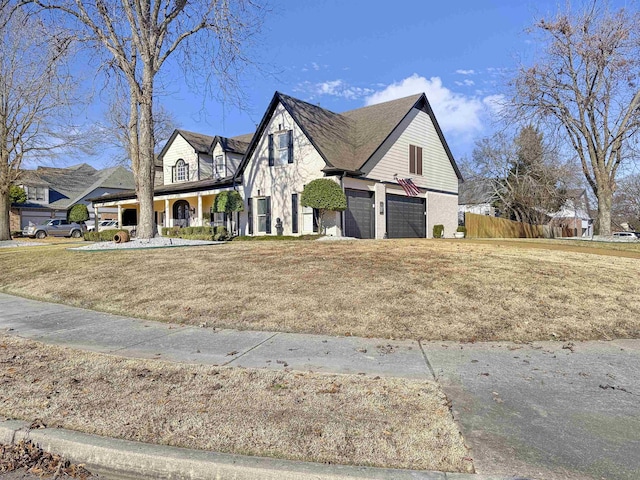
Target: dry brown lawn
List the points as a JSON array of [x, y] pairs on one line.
[[346, 419], [424, 289]]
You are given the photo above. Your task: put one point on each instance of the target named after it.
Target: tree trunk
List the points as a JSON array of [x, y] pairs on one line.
[[145, 174], [5, 206], [605, 199]]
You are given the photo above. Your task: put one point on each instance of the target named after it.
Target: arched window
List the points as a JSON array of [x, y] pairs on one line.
[[182, 171]]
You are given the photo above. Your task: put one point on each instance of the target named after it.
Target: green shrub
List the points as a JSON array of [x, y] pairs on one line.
[[323, 195], [268, 238], [103, 236], [17, 194], [78, 213], [198, 236], [438, 231], [195, 233], [462, 228]]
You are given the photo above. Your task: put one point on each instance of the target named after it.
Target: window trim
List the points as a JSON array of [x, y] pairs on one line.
[[258, 215], [415, 159], [181, 167], [223, 173]]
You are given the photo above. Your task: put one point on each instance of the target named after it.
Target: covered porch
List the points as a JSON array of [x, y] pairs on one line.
[[189, 209]]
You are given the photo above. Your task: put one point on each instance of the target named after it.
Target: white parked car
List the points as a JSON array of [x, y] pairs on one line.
[[625, 235], [103, 225]]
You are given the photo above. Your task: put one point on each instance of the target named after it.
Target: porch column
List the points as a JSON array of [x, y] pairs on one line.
[[199, 223], [167, 222], [95, 216], [119, 216]]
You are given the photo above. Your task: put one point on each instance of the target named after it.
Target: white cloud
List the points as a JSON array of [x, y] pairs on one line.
[[465, 72], [466, 83], [315, 66], [495, 103], [458, 114], [334, 88]]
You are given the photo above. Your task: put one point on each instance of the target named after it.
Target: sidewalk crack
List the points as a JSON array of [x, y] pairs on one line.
[[252, 348], [426, 360]]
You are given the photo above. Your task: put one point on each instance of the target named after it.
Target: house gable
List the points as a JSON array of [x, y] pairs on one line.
[[280, 181], [437, 169], [178, 148]]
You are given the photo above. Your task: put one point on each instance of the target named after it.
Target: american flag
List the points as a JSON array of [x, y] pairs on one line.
[[408, 186]]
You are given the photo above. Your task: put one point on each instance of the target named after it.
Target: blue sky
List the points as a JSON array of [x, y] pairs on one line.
[[348, 54]]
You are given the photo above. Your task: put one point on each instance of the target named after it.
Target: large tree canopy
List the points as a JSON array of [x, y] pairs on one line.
[[137, 37], [34, 92], [586, 84], [527, 179]]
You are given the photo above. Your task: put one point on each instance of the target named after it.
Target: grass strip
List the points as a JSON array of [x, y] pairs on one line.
[[344, 419]]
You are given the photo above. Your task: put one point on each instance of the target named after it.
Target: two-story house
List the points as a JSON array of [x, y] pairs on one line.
[[51, 192], [370, 152]]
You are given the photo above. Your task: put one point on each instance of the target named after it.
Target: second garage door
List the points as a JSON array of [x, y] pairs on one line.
[[405, 217], [358, 218]]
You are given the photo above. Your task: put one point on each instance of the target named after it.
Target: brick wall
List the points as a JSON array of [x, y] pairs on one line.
[[14, 220]]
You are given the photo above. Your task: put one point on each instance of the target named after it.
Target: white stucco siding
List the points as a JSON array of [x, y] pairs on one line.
[[281, 181], [442, 209], [180, 149], [393, 156]]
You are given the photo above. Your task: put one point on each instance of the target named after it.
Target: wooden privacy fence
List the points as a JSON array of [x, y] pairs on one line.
[[483, 226]]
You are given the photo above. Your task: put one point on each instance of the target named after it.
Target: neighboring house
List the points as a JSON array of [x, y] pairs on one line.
[[573, 217], [366, 151], [51, 192], [476, 196]]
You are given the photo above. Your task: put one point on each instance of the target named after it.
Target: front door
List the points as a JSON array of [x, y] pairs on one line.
[[181, 213]]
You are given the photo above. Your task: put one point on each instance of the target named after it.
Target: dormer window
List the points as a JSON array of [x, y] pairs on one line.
[[180, 171], [219, 167]]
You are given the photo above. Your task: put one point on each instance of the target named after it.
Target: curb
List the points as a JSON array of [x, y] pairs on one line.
[[124, 459]]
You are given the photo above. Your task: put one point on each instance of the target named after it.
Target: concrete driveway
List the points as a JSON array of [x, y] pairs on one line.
[[548, 410]]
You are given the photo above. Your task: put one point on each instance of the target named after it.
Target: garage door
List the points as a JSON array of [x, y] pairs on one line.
[[37, 217], [405, 217], [358, 218]]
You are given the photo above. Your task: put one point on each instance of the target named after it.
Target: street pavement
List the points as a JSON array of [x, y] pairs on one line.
[[546, 410]]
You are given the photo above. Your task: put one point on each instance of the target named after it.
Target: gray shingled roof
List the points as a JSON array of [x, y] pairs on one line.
[[237, 144], [347, 140], [200, 142], [68, 186]]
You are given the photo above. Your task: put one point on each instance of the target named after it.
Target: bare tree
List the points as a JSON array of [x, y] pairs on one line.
[[626, 202], [139, 36], [116, 129], [34, 91], [527, 179], [586, 84]]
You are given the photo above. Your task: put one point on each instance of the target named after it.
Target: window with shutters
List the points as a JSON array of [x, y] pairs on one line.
[[261, 214], [281, 148], [181, 171], [415, 159]]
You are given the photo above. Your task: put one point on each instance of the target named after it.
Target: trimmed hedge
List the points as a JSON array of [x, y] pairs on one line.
[[197, 233], [103, 236], [274, 238]]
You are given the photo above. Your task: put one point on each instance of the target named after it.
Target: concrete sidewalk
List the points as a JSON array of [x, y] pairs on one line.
[[548, 410], [129, 337]]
